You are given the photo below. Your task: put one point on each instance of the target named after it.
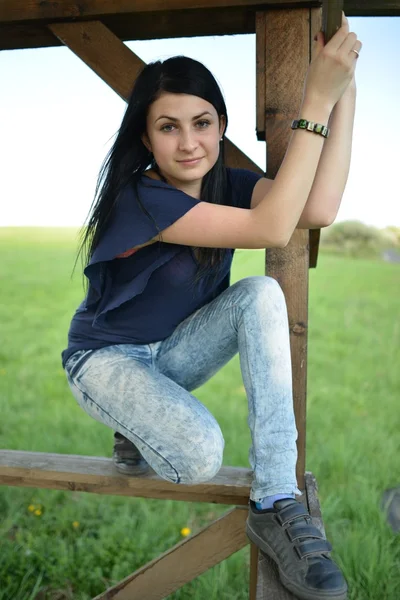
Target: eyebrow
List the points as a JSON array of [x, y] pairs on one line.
[[175, 119]]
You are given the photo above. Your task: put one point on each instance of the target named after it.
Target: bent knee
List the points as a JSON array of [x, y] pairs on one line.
[[263, 288], [203, 472], [204, 462], [258, 283]]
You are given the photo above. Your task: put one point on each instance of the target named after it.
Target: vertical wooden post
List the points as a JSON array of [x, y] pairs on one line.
[[253, 571], [286, 38]]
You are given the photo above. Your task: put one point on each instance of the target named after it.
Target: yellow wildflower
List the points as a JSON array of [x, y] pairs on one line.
[[75, 524], [185, 531], [31, 507], [38, 512]]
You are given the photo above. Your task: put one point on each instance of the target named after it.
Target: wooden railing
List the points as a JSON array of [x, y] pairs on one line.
[[187, 559]]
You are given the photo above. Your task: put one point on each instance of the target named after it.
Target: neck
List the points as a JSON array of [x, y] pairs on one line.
[[191, 188]]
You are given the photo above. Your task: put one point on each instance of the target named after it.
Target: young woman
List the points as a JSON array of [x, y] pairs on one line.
[[160, 317]]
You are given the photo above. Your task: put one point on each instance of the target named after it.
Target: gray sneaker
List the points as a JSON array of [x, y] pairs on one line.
[[127, 458], [287, 535]]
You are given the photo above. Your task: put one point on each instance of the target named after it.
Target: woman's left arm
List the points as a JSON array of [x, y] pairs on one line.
[[333, 168]]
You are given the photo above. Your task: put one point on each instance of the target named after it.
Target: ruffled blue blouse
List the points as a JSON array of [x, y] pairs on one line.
[[142, 298]]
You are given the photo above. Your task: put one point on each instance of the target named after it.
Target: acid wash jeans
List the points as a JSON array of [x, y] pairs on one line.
[[143, 390]]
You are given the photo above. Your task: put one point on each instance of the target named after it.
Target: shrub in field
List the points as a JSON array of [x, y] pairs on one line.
[[356, 239], [394, 233]]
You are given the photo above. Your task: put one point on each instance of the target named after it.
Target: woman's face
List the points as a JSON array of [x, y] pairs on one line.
[[183, 133]]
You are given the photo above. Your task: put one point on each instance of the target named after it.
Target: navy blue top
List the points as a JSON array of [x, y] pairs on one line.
[[142, 298]]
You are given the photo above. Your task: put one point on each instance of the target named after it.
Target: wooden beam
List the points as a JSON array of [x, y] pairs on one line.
[[262, 96], [331, 17], [23, 24], [315, 236], [290, 268], [39, 10], [138, 26], [185, 561], [261, 93], [237, 159], [313, 504], [316, 23], [287, 57], [254, 558], [98, 475], [103, 52], [118, 66], [288, 51]]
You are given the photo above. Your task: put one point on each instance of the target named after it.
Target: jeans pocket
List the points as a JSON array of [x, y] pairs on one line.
[[76, 362]]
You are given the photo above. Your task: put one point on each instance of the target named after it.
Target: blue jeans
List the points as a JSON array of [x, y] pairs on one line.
[[143, 390]]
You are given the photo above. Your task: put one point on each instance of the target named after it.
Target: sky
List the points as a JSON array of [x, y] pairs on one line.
[[58, 120]]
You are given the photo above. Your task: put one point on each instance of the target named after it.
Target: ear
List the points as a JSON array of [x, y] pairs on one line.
[[222, 125], [145, 139]]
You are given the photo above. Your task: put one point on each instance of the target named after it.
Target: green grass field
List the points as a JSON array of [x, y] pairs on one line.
[[71, 546]]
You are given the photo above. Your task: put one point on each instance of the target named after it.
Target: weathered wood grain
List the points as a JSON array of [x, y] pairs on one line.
[[98, 475], [185, 561], [37, 10], [260, 75], [24, 24], [313, 501], [118, 66], [287, 57]]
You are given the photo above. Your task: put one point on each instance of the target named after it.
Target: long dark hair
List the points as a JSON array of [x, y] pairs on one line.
[[129, 157]]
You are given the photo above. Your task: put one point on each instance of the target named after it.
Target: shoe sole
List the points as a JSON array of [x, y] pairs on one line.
[[300, 593], [134, 471]]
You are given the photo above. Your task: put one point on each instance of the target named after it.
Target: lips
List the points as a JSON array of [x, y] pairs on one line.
[[190, 160]]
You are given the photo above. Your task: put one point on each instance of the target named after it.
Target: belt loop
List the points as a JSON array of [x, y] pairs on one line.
[[154, 348]]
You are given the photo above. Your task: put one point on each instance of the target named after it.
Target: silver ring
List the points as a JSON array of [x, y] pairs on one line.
[[358, 54]]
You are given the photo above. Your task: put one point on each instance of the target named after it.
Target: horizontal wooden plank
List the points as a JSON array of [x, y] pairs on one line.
[[23, 24], [98, 475], [35, 10], [140, 26]]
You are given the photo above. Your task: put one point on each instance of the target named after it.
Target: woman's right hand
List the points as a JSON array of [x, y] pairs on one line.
[[332, 67]]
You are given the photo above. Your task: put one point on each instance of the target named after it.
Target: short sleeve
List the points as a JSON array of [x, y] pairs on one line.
[[242, 182], [130, 226]]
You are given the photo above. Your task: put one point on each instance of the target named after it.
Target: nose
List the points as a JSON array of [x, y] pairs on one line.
[[187, 141]]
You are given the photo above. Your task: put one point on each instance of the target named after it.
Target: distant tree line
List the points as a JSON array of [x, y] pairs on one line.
[[354, 238]]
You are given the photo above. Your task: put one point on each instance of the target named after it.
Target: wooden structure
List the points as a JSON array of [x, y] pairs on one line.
[[95, 30]]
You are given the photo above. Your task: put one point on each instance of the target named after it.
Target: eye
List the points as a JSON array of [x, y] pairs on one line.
[[165, 128], [203, 124]]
